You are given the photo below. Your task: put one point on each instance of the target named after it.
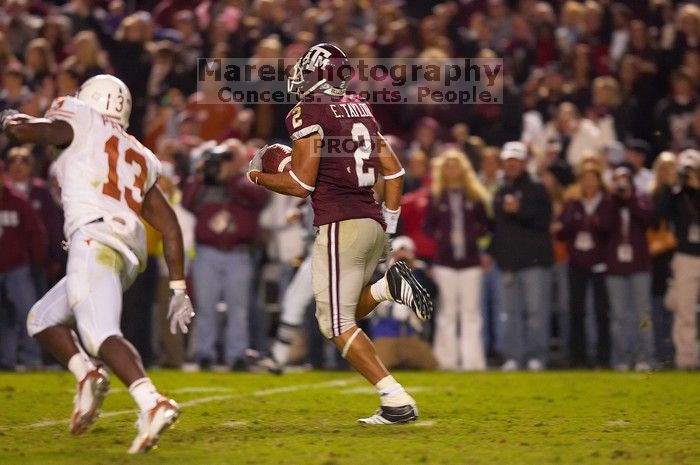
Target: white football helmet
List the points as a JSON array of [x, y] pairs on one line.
[[109, 96]]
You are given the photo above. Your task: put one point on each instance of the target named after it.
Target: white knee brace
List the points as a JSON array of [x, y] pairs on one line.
[[346, 347]]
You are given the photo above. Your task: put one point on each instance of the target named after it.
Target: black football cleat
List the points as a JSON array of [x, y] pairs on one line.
[[405, 289], [392, 415]]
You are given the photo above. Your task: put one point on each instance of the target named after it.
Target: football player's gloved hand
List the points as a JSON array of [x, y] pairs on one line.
[[180, 311], [5, 115], [256, 162], [391, 218]]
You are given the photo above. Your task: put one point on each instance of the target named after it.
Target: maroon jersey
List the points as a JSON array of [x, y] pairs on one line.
[[349, 164], [23, 239]]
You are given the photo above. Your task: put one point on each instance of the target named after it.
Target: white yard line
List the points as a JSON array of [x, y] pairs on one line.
[[206, 400], [422, 424]]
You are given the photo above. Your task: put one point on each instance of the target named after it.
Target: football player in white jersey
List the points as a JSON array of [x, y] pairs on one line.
[[107, 181]]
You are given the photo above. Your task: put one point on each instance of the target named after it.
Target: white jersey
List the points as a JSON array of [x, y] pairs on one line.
[[104, 174]]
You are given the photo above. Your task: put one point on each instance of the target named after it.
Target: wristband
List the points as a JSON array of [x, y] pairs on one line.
[[391, 218], [178, 285]]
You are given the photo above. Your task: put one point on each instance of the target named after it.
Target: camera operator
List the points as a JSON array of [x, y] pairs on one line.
[[628, 276], [227, 207], [680, 205]]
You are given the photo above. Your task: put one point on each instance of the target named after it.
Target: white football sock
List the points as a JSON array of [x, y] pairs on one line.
[[392, 394], [80, 365], [380, 290], [280, 352], [144, 393]]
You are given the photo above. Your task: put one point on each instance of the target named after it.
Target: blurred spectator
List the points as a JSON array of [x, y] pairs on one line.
[[395, 329], [557, 178], [426, 138], [21, 26], [577, 134], [612, 115], [14, 94], [23, 243], [39, 61], [523, 251], [67, 82], [226, 206], [637, 152], [662, 246], [629, 275], [456, 220], [491, 177], [584, 225], [620, 37], [418, 170], [414, 207], [7, 58], [496, 123], [681, 207], [88, 59], [286, 236], [674, 113], [215, 118], [20, 169]]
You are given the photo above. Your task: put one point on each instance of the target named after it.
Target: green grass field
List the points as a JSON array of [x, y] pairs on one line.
[[309, 418]]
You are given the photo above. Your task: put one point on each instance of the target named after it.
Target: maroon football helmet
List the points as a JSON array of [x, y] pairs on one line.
[[324, 68]]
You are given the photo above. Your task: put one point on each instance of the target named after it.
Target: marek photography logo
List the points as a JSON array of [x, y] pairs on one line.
[[409, 81]]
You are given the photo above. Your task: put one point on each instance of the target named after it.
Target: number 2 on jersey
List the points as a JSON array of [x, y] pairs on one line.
[[363, 152], [111, 187]]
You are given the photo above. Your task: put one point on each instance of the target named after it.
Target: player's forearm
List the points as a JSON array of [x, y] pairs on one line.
[[174, 253], [282, 183], [393, 188], [39, 131]]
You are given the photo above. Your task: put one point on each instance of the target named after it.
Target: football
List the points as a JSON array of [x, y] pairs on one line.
[[277, 158]]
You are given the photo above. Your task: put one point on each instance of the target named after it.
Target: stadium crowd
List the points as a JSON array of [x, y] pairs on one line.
[[560, 228]]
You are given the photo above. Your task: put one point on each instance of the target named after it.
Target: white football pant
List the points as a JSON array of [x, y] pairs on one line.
[[90, 294]]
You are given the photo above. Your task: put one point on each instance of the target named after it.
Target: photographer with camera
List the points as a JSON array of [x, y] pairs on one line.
[[680, 205], [628, 276], [227, 207]]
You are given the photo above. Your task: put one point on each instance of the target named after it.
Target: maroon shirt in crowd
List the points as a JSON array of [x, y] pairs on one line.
[[640, 215], [227, 214], [349, 164], [576, 223], [23, 239], [439, 224], [414, 207], [51, 216]]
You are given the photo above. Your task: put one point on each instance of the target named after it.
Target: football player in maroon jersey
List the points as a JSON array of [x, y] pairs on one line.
[[337, 156]]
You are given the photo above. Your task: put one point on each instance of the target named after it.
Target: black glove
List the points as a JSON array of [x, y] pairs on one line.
[[5, 114]]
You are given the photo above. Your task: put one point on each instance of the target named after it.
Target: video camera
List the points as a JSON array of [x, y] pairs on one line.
[[213, 158]]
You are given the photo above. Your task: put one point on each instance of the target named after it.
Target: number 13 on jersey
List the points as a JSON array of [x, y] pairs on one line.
[[111, 187]]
